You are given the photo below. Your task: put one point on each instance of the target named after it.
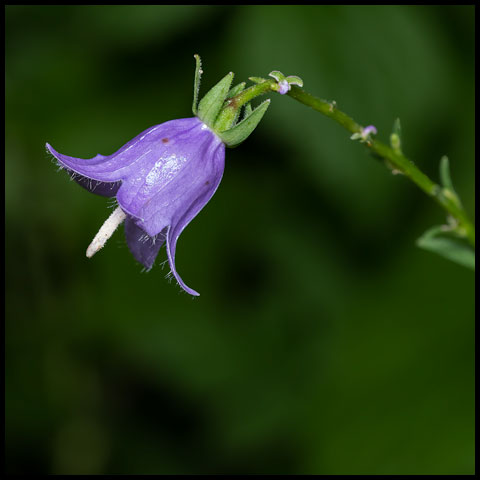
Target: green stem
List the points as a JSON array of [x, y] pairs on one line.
[[395, 159], [232, 105]]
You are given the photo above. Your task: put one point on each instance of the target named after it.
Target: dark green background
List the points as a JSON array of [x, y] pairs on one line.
[[323, 341]]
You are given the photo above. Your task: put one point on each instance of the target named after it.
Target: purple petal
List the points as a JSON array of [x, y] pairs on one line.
[[184, 169], [143, 247], [164, 177], [133, 158], [368, 130], [283, 87], [171, 248], [188, 205], [105, 189]]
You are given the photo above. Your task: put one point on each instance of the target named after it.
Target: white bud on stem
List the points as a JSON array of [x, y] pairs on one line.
[[106, 231]]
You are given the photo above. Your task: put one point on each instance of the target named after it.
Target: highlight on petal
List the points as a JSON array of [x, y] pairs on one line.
[[143, 247], [181, 173]]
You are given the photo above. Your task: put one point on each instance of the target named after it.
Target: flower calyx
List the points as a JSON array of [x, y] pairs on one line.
[[220, 109], [227, 110]]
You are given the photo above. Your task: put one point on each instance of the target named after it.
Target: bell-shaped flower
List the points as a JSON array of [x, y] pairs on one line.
[[163, 177]]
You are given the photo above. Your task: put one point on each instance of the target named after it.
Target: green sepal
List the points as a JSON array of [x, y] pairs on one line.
[[228, 116], [211, 104], [196, 85], [448, 244], [243, 129], [248, 110], [232, 93], [278, 76], [236, 90], [257, 79], [294, 80], [396, 137]]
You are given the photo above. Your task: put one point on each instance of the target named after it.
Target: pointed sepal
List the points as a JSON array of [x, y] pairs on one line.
[[196, 85], [248, 110], [257, 79], [278, 76], [294, 80], [211, 104], [243, 129]]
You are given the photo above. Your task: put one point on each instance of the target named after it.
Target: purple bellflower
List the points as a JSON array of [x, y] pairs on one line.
[[164, 176], [161, 180]]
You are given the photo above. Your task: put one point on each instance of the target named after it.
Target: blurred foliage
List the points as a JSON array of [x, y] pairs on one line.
[[324, 341]]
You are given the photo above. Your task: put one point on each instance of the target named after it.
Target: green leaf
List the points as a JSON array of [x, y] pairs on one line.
[[243, 129], [196, 85], [447, 244], [211, 104]]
